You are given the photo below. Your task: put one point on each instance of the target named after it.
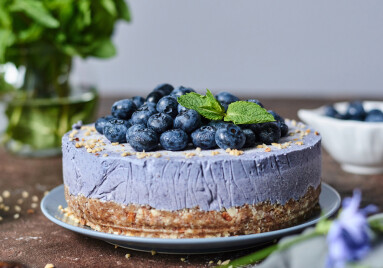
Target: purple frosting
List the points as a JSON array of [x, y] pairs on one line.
[[173, 182]]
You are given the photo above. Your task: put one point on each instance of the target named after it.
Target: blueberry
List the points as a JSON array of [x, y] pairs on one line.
[[164, 89], [180, 108], [355, 111], [284, 129], [224, 105], [250, 138], [330, 111], [138, 101], [268, 132], [188, 121], [100, 123], [144, 140], [256, 101], [204, 137], [115, 130], [160, 122], [276, 116], [168, 105], [374, 115], [154, 97], [254, 127], [226, 97], [174, 140], [230, 136], [143, 113], [133, 129], [123, 109], [217, 123], [181, 90]]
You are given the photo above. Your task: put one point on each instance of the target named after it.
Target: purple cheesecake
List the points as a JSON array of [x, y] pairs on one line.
[[192, 193]]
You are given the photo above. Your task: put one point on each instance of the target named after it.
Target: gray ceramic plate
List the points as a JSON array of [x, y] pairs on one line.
[[329, 202]]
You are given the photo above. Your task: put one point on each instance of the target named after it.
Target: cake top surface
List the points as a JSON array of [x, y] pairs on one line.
[[87, 138]]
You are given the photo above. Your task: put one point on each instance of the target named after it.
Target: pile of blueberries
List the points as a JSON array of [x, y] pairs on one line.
[[355, 111], [159, 120]]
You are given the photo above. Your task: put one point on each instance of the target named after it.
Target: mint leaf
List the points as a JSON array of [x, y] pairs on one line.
[[206, 106], [243, 112]]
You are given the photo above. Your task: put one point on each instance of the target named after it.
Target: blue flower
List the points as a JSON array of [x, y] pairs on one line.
[[348, 238]]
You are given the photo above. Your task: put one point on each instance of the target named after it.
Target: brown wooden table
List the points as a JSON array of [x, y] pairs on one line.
[[34, 241]]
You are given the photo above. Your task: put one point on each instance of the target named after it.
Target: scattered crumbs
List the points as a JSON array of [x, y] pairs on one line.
[[153, 252], [198, 149], [49, 265], [268, 149], [214, 153], [74, 132], [157, 155], [301, 125], [183, 259], [17, 208], [30, 211], [104, 155], [125, 154], [234, 152], [211, 262], [294, 123], [89, 150], [19, 201], [115, 143], [299, 143], [307, 131], [6, 194], [260, 146], [316, 133], [25, 194], [16, 216], [141, 155], [278, 145], [115, 246], [87, 133], [291, 134], [189, 155], [225, 262], [127, 255], [296, 139], [34, 205], [60, 207], [78, 144], [219, 262]]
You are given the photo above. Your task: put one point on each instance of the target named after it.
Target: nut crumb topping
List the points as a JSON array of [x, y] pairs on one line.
[[104, 155], [225, 262], [268, 149], [299, 143], [316, 133], [153, 252], [127, 255], [115, 143], [234, 152], [49, 265], [189, 155], [213, 153], [125, 154], [156, 155]]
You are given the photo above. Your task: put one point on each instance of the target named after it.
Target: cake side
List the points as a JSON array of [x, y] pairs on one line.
[[144, 221], [206, 181]]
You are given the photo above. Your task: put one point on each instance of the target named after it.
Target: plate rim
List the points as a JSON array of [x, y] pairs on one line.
[[187, 241]]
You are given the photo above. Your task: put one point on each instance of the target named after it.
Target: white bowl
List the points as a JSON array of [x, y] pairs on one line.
[[356, 145]]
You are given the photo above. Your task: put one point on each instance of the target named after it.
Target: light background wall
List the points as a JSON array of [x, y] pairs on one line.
[[263, 48]]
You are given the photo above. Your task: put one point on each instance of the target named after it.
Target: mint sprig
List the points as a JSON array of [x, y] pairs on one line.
[[239, 112]]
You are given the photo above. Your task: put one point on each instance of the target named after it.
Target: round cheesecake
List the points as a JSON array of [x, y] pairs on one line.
[[192, 193]]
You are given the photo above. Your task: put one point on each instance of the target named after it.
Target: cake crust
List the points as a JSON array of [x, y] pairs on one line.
[[145, 221]]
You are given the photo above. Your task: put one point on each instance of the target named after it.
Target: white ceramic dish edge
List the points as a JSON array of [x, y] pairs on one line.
[[357, 146]]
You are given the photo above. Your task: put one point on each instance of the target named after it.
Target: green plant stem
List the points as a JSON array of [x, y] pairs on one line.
[[263, 253]]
